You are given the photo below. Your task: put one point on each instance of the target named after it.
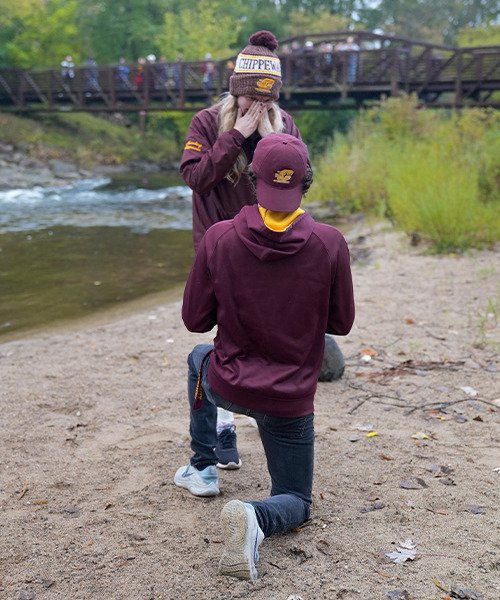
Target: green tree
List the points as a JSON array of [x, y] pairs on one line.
[[12, 10], [195, 30], [304, 22], [128, 28], [431, 20], [479, 36], [42, 34]]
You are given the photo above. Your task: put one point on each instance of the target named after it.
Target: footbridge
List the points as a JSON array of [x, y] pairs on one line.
[[318, 72]]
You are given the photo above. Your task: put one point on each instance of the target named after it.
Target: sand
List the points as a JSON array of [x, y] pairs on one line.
[[94, 423]]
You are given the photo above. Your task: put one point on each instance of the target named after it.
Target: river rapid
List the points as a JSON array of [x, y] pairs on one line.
[[68, 251]]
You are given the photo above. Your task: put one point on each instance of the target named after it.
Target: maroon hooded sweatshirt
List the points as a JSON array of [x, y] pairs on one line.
[[207, 159], [273, 295]]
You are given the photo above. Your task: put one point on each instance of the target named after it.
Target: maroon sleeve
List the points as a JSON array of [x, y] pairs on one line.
[[204, 163], [290, 126], [341, 313]]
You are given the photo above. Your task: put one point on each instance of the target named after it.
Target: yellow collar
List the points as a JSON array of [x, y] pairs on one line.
[[279, 221]]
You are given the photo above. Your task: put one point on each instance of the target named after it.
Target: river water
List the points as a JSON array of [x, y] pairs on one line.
[[68, 251]]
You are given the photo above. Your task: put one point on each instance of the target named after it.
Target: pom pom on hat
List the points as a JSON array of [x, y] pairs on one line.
[[257, 72], [264, 38]]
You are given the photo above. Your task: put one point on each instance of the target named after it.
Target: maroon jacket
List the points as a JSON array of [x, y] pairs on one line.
[[207, 159], [273, 295]]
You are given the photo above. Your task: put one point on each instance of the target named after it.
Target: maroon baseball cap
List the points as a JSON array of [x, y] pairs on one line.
[[280, 165]]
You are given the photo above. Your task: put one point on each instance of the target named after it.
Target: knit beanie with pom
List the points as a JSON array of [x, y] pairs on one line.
[[258, 70]]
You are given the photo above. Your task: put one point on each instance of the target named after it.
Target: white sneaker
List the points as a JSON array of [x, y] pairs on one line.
[[199, 483], [242, 538]]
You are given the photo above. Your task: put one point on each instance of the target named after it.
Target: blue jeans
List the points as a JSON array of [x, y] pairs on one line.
[[288, 445]]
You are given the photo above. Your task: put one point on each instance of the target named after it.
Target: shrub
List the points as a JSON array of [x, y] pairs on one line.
[[435, 173], [439, 197]]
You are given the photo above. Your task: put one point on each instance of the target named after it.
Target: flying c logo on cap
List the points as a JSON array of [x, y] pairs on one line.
[[283, 176]]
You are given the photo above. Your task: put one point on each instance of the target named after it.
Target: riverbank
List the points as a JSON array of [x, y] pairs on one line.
[[19, 169], [95, 424], [57, 148]]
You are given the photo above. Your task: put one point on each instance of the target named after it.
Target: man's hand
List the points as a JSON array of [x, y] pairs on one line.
[[246, 124], [265, 127]]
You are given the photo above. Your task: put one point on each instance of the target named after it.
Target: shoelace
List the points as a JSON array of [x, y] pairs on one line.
[[227, 440]]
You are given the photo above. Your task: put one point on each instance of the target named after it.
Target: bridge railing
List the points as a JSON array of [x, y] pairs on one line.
[[424, 69]]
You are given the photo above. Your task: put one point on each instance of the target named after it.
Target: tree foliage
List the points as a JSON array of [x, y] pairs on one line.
[[42, 32], [431, 20], [197, 29], [127, 28], [479, 36]]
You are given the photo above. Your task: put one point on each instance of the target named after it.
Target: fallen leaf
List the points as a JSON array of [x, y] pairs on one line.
[[324, 547], [378, 505], [440, 585], [300, 552], [465, 594], [436, 511], [447, 481], [401, 555], [414, 483], [478, 418], [369, 352], [440, 470], [364, 427], [25, 489], [476, 510], [386, 457], [40, 501], [409, 321], [420, 435], [398, 595], [384, 574], [371, 434], [470, 391]]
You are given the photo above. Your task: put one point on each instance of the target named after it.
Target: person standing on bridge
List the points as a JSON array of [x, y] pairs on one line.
[[220, 144], [351, 60], [67, 70]]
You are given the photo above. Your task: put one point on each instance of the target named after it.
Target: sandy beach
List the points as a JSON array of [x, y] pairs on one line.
[[94, 424]]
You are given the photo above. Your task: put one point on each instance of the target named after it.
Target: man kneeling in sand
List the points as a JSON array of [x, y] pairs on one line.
[[273, 281]]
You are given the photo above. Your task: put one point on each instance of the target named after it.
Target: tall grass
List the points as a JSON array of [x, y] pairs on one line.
[[436, 174]]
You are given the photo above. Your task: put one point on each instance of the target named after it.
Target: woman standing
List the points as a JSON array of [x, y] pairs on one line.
[[221, 139]]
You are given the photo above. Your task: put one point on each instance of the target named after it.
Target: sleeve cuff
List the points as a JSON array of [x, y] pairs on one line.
[[238, 136]]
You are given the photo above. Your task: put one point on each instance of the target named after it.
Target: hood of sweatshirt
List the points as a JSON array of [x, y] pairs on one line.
[[266, 244]]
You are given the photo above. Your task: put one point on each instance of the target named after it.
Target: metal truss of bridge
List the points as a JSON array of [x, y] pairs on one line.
[[315, 76]]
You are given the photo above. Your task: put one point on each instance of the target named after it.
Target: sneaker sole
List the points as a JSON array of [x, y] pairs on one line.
[[196, 490], [230, 466], [236, 559]]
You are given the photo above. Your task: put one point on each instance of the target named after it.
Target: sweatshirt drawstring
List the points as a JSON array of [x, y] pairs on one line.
[[198, 394]]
